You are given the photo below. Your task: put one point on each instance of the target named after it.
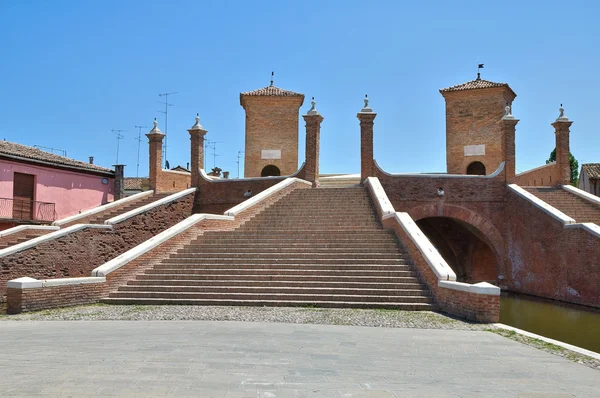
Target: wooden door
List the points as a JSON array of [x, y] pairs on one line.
[[23, 186]]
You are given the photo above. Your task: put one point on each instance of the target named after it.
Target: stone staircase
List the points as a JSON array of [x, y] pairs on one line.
[[572, 205], [99, 218], [313, 247]]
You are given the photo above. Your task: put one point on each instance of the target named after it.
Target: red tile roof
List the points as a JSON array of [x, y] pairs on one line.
[[592, 170], [138, 183], [35, 155], [475, 85], [272, 91]]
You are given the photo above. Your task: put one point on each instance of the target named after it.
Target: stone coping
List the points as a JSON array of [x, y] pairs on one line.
[[153, 242], [591, 228], [537, 202], [259, 197], [20, 228], [582, 194], [31, 283], [185, 173], [441, 175], [101, 208], [149, 206], [379, 197], [53, 235], [436, 262], [536, 168], [476, 288], [208, 178]]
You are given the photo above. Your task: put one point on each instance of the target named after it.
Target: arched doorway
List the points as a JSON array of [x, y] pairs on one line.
[[461, 245], [476, 169], [270, 170]]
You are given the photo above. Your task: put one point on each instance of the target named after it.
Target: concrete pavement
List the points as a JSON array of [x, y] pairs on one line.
[[236, 359]]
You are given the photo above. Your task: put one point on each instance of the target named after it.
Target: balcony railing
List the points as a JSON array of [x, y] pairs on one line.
[[26, 210]]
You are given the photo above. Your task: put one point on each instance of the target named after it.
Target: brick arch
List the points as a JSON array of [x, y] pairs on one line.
[[486, 230]]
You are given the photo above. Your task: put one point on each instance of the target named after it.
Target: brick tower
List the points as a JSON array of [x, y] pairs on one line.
[[474, 134], [271, 131]]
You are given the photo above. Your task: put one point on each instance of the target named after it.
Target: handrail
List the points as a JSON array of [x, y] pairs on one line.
[[27, 210]]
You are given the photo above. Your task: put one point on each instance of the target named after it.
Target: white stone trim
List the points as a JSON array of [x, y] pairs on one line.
[[53, 235], [537, 202], [582, 194], [153, 242], [210, 178], [591, 228], [235, 210], [568, 346], [149, 206], [436, 262], [327, 177], [185, 173], [477, 288], [379, 197], [441, 175], [536, 168], [31, 283], [21, 228], [101, 208]]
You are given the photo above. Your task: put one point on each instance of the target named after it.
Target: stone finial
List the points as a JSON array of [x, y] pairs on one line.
[[197, 125], [507, 113], [313, 108], [155, 129], [367, 108], [561, 117]]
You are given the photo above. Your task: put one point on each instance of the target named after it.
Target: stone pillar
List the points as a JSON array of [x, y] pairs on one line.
[[119, 181], [367, 162], [561, 130], [313, 121], [155, 139], [197, 133], [509, 123]]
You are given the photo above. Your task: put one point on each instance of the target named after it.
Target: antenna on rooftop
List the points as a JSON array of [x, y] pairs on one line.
[[272, 77], [166, 112], [212, 145], [139, 140], [119, 138], [62, 152], [479, 66], [239, 155]]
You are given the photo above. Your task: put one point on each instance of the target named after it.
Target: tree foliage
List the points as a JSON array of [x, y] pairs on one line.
[[572, 162]]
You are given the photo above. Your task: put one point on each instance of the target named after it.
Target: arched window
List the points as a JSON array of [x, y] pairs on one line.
[[476, 169], [270, 170]]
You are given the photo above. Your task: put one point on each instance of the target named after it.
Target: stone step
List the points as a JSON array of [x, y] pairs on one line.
[[326, 251], [275, 283], [272, 297], [275, 272], [216, 261], [292, 278], [280, 256], [261, 290], [276, 303], [396, 266]]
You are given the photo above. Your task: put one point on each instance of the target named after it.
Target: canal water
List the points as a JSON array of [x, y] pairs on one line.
[[568, 323]]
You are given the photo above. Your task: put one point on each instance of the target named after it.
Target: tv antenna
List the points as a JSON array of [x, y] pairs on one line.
[[212, 145], [166, 112], [119, 138], [239, 156], [139, 140]]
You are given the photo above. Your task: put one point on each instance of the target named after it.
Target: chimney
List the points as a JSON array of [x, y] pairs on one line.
[[226, 175], [91, 160], [187, 165]]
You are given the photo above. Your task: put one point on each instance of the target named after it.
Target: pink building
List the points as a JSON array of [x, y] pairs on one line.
[[40, 187]]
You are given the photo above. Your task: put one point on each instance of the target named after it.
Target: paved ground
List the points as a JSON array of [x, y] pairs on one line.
[[237, 359]]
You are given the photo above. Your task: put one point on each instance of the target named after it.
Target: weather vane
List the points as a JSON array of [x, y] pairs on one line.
[[479, 66]]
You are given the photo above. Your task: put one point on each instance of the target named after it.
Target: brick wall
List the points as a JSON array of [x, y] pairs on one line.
[[12, 239], [476, 307], [170, 181], [271, 123], [24, 300], [546, 175], [215, 197], [549, 260], [77, 254]]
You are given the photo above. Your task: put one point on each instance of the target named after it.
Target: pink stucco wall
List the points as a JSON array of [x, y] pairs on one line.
[[71, 192]]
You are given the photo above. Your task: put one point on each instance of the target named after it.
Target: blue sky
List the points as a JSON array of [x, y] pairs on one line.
[[73, 70]]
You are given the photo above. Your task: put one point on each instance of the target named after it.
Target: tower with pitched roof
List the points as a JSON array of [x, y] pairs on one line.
[[271, 131], [474, 135]]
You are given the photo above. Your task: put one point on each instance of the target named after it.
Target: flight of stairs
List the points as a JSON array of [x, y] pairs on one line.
[[572, 205], [11, 241], [313, 247], [99, 218]]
